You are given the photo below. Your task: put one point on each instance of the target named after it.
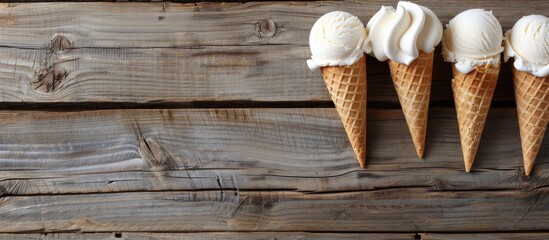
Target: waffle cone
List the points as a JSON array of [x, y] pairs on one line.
[[413, 86], [347, 87], [473, 94], [532, 97]]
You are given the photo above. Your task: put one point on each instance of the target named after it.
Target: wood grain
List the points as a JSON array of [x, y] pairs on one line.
[[303, 150], [237, 173], [275, 235], [252, 73], [257, 73], [487, 236], [257, 169], [162, 52], [154, 25], [208, 236], [405, 209]]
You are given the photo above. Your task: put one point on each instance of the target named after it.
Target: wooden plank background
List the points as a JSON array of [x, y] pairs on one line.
[[277, 235], [162, 120], [168, 52]]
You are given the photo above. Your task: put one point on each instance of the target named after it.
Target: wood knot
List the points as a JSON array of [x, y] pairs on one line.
[[265, 28], [60, 43], [155, 155], [50, 76]]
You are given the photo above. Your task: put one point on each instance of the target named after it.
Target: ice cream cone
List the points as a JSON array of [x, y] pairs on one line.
[[532, 97], [473, 94], [413, 86], [347, 87]]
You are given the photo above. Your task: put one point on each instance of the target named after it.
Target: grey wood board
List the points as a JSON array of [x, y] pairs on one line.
[[405, 209], [304, 150], [209, 235], [115, 25], [172, 52], [227, 73], [274, 235]]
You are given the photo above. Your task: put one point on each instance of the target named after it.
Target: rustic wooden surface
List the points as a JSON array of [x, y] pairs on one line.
[[276, 235], [154, 52], [162, 120], [259, 169]]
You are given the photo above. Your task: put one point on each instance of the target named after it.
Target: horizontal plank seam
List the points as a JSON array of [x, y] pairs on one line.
[[419, 187], [281, 231], [266, 175]]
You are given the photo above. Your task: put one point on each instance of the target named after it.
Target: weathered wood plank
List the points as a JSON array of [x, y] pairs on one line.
[[212, 235], [268, 73], [257, 73], [273, 235], [108, 52], [304, 150], [405, 209], [115, 25], [487, 236]]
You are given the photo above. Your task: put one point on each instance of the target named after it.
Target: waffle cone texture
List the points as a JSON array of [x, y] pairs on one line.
[[473, 94], [532, 97], [347, 87], [413, 86]]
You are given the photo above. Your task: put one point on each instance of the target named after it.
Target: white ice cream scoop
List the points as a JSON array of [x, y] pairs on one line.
[[528, 43], [472, 38], [337, 39]]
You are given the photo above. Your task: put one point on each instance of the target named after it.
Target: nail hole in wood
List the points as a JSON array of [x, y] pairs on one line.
[[118, 235], [417, 236]]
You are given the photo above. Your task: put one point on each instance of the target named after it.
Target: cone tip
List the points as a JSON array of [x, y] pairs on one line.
[[468, 165], [528, 160], [527, 169], [419, 152], [468, 160], [362, 161]]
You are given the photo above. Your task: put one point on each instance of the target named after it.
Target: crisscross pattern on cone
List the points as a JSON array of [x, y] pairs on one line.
[[473, 94], [413, 86], [347, 87], [532, 97]]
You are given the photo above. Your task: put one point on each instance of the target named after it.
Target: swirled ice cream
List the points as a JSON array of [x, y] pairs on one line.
[[472, 38], [337, 39], [528, 43], [401, 34]]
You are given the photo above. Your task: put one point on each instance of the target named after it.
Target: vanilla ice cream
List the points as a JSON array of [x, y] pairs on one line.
[[337, 39], [528, 43], [400, 34], [472, 38]]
